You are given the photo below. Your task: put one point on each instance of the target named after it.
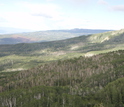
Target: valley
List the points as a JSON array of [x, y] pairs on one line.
[[61, 53], [25, 56], [84, 71]]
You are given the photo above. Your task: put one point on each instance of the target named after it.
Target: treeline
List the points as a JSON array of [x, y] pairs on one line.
[[113, 94], [84, 43], [28, 48], [77, 82]]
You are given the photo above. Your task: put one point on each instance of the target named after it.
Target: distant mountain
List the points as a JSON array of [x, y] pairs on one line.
[[84, 31], [50, 35], [64, 73], [27, 55]]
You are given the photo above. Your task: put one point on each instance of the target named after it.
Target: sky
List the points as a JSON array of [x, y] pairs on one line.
[[62, 14]]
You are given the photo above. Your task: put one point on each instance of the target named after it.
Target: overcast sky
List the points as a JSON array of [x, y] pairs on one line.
[[62, 14]]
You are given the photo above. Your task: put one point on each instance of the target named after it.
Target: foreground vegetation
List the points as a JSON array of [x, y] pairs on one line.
[[95, 81]]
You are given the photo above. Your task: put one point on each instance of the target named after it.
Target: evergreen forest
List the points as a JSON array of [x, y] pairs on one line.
[[96, 81]]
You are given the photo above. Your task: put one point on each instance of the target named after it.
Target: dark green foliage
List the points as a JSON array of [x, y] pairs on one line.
[[26, 49], [44, 97], [113, 94], [96, 81], [85, 45], [4, 76], [38, 53]]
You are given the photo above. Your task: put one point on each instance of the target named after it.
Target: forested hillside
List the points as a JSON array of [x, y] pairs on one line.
[[23, 56], [95, 81]]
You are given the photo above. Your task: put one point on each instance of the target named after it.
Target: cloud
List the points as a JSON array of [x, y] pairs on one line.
[[43, 10], [2, 19], [1, 4], [35, 17], [23, 20], [49, 0], [70, 23], [42, 15], [118, 8], [103, 2], [79, 1]]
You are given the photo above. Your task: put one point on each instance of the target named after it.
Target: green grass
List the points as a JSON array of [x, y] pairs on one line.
[[17, 63], [25, 56]]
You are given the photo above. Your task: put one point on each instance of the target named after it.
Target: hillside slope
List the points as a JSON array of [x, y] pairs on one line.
[[77, 82], [23, 56], [42, 36]]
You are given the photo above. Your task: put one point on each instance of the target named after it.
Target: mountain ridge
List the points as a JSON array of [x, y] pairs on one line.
[[32, 54], [85, 71], [49, 35]]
